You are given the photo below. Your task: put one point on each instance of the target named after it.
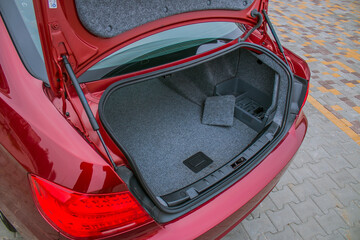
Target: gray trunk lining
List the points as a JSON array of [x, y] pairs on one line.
[[160, 129], [158, 121]]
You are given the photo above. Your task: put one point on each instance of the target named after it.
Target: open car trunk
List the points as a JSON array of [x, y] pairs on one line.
[[184, 131]]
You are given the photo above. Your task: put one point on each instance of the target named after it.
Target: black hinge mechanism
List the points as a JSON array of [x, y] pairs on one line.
[[86, 106]]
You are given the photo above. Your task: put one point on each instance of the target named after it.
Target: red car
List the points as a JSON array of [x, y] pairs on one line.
[[143, 119]]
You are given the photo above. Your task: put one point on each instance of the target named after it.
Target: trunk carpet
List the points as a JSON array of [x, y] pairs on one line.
[[160, 129]]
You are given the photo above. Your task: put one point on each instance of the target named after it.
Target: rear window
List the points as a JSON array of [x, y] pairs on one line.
[[164, 47], [20, 20]]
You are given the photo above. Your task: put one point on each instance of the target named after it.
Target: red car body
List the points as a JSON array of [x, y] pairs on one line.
[[37, 140]]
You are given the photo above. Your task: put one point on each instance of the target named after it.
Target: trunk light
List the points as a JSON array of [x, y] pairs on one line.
[[87, 215]]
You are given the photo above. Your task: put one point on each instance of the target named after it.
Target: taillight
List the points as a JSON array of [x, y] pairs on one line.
[[81, 215]]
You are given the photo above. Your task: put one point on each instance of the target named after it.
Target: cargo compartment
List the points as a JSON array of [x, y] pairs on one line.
[[190, 127]]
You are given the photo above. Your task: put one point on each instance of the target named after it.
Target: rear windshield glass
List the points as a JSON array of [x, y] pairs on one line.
[[19, 17], [164, 47]]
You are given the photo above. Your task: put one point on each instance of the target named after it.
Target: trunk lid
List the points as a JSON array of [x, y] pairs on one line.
[[87, 31]]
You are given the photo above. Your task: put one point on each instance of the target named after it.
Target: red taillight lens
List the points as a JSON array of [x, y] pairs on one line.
[[87, 215]]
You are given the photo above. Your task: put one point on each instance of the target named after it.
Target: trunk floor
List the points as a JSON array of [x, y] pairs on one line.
[[160, 129]]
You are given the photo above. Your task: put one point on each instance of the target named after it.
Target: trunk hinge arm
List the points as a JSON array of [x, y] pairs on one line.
[[86, 106], [68, 96], [273, 32], [60, 47], [254, 14], [65, 94]]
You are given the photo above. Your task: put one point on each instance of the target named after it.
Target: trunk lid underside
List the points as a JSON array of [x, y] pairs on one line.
[[87, 31]]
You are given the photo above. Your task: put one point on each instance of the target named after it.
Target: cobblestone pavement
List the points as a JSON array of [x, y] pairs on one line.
[[327, 35], [7, 235], [319, 195]]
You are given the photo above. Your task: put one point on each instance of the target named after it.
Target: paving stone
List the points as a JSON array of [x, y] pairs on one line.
[[346, 195], [333, 149], [306, 209], [265, 205], [283, 196], [338, 162], [303, 157], [318, 153], [5, 233], [333, 236], [237, 233], [316, 142], [283, 217], [350, 146], [286, 179], [355, 172], [317, 120], [275, 189], [309, 229], [303, 190], [342, 177], [306, 146], [352, 233], [331, 221], [356, 187], [302, 173], [321, 167], [18, 236], [287, 234], [324, 184], [353, 158], [327, 201], [350, 214], [258, 225], [261, 237]]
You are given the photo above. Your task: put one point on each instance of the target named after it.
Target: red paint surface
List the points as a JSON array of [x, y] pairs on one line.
[[36, 138]]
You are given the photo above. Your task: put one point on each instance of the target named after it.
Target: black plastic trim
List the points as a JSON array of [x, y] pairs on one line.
[[200, 186], [299, 93]]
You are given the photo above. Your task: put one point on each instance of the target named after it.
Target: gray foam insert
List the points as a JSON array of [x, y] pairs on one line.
[[219, 110], [160, 129], [108, 18], [198, 83]]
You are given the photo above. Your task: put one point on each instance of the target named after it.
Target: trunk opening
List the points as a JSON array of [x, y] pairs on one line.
[[183, 132]]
